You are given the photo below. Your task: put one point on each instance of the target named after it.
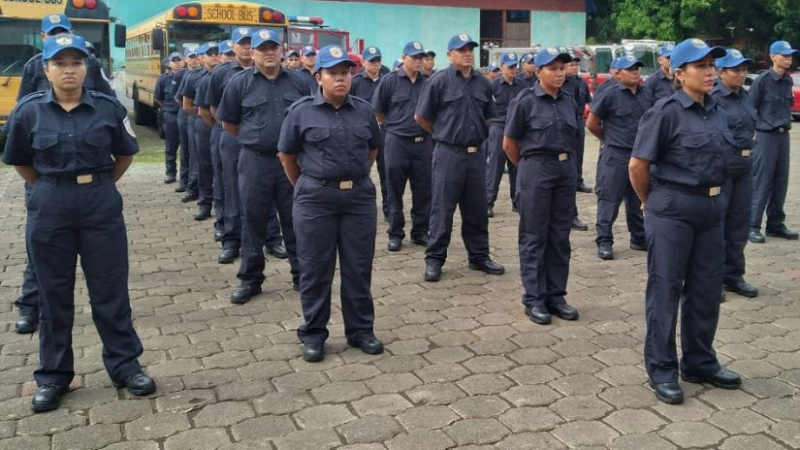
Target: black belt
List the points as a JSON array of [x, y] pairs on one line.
[[547, 156], [461, 148], [414, 139], [343, 184], [743, 152], [707, 191], [76, 179], [262, 154]]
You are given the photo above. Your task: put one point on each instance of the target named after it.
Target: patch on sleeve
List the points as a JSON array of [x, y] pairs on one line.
[[128, 127]]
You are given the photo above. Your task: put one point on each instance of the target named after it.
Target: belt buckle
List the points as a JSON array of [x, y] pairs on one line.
[[473, 149], [746, 152], [563, 156], [714, 191], [418, 139], [84, 179], [346, 185], [781, 130]]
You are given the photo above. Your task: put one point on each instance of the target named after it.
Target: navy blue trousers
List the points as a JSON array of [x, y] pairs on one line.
[[770, 179], [172, 140], [580, 147], [380, 164], [194, 163], [408, 162], [229, 157], [218, 187], [264, 189], [183, 134], [613, 186], [458, 179], [739, 193], [685, 247], [205, 168], [330, 222], [494, 167], [66, 220], [28, 301], [546, 201]]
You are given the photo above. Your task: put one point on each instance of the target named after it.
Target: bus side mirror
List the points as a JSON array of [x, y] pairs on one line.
[[158, 39], [120, 35]]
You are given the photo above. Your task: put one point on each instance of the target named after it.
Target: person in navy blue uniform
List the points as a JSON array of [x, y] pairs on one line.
[[614, 119], [429, 63], [527, 73], [193, 97], [408, 148], [539, 138], [328, 143], [455, 107], [504, 89], [611, 80], [190, 58], [252, 109], [577, 87], [291, 59], [363, 87], [729, 94], [188, 85], [678, 168], [660, 83], [492, 71], [164, 97], [72, 145], [773, 99], [308, 57]]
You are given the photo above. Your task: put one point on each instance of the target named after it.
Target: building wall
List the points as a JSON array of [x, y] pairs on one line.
[[558, 28]]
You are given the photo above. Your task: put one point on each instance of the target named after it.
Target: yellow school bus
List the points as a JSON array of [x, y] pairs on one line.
[[184, 26], [20, 27]]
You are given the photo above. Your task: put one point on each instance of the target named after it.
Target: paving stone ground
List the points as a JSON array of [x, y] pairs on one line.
[[463, 368]]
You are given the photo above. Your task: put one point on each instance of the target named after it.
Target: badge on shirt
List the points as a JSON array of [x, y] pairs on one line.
[[128, 127]]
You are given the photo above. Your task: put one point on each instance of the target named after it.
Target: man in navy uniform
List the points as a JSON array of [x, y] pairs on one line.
[[614, 119], [505, 88], [527, 76], [188, 85], [660, 83], [328, 143], [577, 87], [455, 107], [429, 63], [291, 59], [252, 109], [308, 56], [190, 58], [164, 97], [773, 99], [408, 147]]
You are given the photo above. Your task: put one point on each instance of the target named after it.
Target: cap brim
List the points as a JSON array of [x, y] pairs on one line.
[[49, 30], [333, 64], [371, 58], [268, 41], [509, 64], [431, 54], [624, 66], [473, 44], [787, 52], [563, 57], [61, 50], [416, 53], [241, 38]]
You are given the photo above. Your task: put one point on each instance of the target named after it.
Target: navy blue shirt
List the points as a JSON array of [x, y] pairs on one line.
[[310, 80], [188, 75], [579, 90], [54, 142], [659, 85], [191, 82], [34, 79], [166, 88], [773, 100], [332, 144], [620, 110], [741, 114], [397, 98], [503, 94], [220, 77], [201, 91], [686, 143], [363, 86], [458, 107], [525, 80], [605, 85], [541, 123], [258, 106]]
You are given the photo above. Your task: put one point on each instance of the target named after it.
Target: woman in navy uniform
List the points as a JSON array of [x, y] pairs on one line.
[[678, 168], [328, 143], [540, 137], [71, 145], [729, 93], [164, 96]]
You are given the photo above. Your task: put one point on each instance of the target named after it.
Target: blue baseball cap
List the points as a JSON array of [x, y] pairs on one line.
[[55, 44], [781, 48], [240, 33], [691, 50], [371, 53], [265, 35], [492, 67], [397, 64], [330, 56], [226, 46], [509, 59], [291, 53], [626, 62], [550, 54], [174, 55], [666, 50], [53, 21], [734, 58], [526, 58], [203, 49], [460, 41], [614, 64], [190, 51], [308, 50], [414, 48]]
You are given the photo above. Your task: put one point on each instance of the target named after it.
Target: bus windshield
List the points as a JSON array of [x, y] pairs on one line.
[[183, 35], [19, 41]]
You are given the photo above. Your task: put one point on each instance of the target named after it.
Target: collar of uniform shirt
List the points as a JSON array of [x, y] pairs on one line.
[[319, 99], [726, 91], [537, 89], [254, 71], [86, 98], [455, 70], [687, 102], [776, 77]]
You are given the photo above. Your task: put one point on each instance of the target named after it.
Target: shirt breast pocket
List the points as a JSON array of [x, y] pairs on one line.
[[289, 99], [539, 128], [47, 149], [702, 154], [98, 147], [253, 110], [399, 99]]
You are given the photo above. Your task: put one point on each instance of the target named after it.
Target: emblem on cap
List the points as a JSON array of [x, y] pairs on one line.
[[552, 50], [336, 52], [212, 44], [372, 50], [736, 53], [55, 18], [417, 45], [264, 34], [670, 46], [512, 56], [243, 31], [64, 40], [786, 45], [463, 37], [698, 43]]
